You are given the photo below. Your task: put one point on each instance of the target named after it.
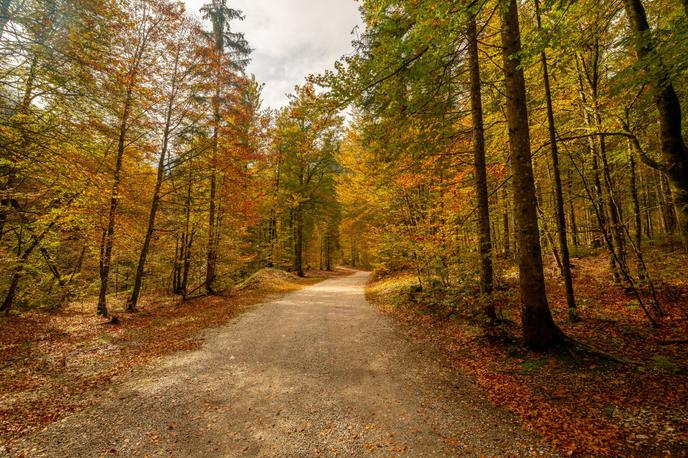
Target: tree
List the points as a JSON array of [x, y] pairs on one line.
[[485, 242], [673, 147], [230, 51], [558, 189], [180, 60], [539, 330], [306, 137], [150, 21]]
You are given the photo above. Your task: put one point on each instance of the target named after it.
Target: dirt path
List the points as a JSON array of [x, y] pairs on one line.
[[316, 372]]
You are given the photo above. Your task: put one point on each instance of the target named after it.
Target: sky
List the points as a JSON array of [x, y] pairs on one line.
[[292, 39]]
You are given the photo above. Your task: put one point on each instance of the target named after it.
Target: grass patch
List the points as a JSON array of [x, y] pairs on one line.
[[530, 366], [665, 364]]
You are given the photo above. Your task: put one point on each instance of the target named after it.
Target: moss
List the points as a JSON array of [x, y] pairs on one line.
[[665, 364], [531, 365]]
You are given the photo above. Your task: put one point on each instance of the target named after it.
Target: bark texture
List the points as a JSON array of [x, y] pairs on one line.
[[480, 172], [539, 330]]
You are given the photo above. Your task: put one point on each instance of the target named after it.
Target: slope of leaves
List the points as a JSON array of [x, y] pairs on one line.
[[583, 405]]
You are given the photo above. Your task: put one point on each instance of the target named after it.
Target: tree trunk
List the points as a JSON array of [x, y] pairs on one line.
[[597, 197], [505, 223], [638, 229], [138, 278], [329, 258], [177, 267], [649, 227], [298, 242], [539, 330], [667, 202], [608, 192], [558, 191], [572, 211], [211, 255], [212, 244], [322, 253], [480, 172], [664, 206], [673, 146], [109, 233]]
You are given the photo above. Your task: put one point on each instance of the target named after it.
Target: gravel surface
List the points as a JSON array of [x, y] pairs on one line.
[[318, 372]]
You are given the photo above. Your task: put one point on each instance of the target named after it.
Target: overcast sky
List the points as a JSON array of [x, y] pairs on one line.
[[292, 39]]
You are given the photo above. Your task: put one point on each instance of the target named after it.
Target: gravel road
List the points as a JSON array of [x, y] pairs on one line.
[[318, 372]]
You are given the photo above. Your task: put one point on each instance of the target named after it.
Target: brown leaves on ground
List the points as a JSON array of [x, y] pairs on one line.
[[580, 403], [56, 364]]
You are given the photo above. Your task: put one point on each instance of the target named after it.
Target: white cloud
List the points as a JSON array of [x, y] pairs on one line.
[[292, 39]]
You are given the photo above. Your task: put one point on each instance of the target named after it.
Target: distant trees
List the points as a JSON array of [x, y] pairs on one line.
[[306, 137]]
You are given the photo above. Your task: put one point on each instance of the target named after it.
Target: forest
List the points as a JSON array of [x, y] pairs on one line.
[[514, 173]]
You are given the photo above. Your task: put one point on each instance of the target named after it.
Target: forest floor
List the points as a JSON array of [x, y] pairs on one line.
[[582, 405], [55, 364], [317, 372]]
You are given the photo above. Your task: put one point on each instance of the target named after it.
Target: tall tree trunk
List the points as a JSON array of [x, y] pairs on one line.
[[211, 255], [664, 203], [505, 223], [539, 330], [150, 229], [668, 207], [329, 257], [649, 228], [212, 243], [572, 211], [321, 257], [598, 195], [273, 213], [558, 191], [177, 268], [480, 172], [167, 132], [616, 228], [637, 223], [638, 228], [673, 146], [188, 238], [109, 233], [298, 242]]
